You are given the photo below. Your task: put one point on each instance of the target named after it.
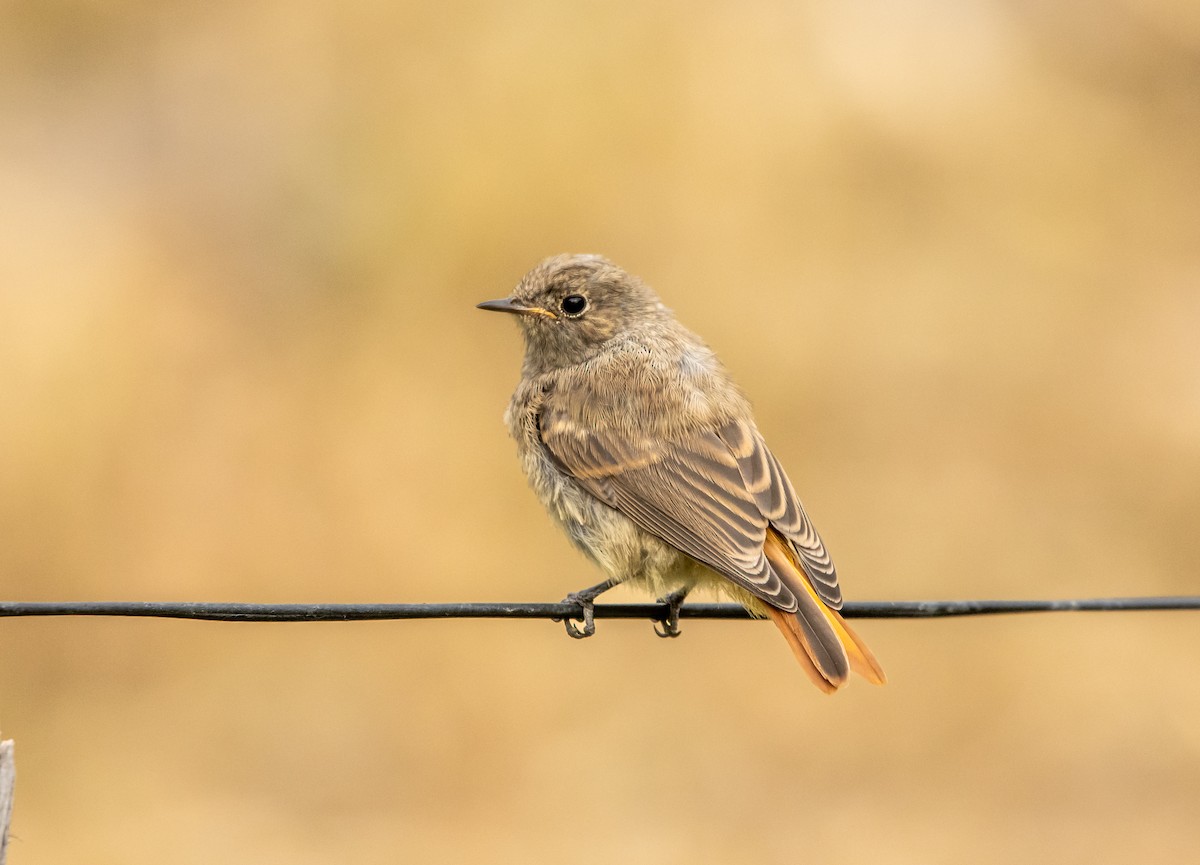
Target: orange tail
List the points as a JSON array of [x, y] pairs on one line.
[[821, 640]]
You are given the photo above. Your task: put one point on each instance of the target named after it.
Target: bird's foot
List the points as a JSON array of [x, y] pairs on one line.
[[586, 600], [669, 627]]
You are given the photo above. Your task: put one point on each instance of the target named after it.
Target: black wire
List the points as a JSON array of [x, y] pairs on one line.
[[657, 612]]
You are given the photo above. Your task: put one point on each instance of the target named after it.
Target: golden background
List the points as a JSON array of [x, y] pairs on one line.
[[950, 249]]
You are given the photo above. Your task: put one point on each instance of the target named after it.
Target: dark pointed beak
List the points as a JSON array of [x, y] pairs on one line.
[[506, 305], [502, 305]]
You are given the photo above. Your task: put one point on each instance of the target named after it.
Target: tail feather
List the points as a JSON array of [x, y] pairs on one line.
[[789, 626], [862, 661], [821, 640]]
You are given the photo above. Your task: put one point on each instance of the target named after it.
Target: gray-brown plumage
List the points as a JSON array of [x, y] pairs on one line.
[[639, 444]]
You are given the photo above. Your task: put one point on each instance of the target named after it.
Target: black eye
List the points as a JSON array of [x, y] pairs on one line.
[[573, 304]]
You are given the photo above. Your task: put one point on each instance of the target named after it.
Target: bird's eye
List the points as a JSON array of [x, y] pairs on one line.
[[573, 304]]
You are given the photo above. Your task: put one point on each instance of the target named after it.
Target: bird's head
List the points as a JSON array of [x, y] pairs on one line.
[[569, 306]]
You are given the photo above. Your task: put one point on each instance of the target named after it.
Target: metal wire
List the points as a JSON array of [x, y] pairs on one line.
[[657, 612]]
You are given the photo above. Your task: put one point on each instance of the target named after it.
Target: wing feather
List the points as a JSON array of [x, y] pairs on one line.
[[779, 503], [712, 495]]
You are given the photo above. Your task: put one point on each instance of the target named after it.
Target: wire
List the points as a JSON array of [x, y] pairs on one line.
[[657, 612]]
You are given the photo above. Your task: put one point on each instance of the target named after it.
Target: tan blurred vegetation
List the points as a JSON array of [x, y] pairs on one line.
[[951, 250]]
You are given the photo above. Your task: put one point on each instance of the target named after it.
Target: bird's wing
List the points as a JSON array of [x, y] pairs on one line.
[[711, 494], [777, 501]]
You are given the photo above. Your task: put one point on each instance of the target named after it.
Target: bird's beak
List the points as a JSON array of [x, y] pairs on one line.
[[506, 305]]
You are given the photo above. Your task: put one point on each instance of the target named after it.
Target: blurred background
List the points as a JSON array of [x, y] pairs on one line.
[[950, 249]]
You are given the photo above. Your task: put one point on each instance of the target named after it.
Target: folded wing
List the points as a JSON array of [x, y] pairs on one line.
[[712, 494]]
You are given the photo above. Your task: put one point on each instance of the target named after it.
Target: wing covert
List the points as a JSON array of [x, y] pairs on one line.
[[711, 494]]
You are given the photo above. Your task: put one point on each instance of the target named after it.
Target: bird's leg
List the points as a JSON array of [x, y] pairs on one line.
[[670, 625], [586, 598]]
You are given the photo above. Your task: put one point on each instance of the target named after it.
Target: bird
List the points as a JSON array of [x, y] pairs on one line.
[[638, 443]]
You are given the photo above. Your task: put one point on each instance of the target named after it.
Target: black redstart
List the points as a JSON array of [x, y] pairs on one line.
[[639, 444]]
